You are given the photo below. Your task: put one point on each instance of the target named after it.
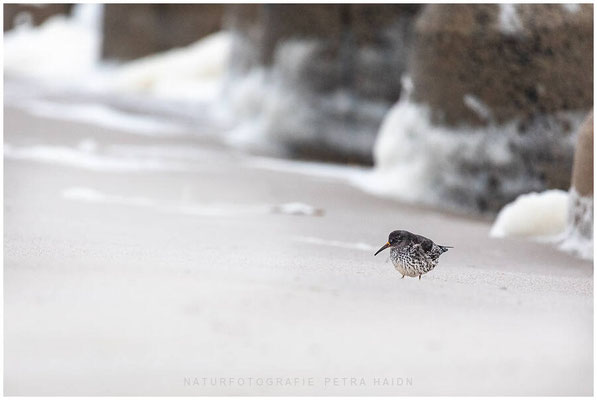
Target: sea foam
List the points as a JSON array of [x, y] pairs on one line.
[[461, 168], [554, 216], [62, 48], [533, 215]]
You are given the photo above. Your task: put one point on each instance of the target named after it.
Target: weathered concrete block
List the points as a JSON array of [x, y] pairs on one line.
[[522, 74], [135, 30], [341, 65], [582, 172], [520, 61]]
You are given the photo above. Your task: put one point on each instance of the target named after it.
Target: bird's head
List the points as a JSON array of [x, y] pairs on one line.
[[395, 238]]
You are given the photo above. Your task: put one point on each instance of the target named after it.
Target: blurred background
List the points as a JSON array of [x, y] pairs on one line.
[[481, 103], [471, 124]]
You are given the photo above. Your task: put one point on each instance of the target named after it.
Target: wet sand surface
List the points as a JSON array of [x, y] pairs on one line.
[[142, 265]]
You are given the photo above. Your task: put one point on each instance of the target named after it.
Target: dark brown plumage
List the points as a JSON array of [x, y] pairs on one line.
[[412, 254]]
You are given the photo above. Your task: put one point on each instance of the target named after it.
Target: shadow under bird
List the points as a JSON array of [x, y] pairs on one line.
[[412, 254]]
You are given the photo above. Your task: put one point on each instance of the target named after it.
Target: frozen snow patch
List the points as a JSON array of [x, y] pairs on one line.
[[104, 116], [94, 196], [297, 209], [310, 168], [90, 195], [533, 215], [164, 152], [85, 156], [231, 210], [87, 145], [334, 243]]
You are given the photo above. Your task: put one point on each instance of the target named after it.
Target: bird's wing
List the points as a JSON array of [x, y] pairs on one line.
[[426, 244], [421, 252]]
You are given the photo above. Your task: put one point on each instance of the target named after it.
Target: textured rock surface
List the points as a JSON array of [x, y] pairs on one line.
[[34, 13], [136, 30], [520, 61]]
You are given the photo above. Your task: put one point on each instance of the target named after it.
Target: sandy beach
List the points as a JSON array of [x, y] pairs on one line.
[[156, 265]]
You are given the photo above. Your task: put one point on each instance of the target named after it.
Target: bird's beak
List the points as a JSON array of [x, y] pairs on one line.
[[385, 246]]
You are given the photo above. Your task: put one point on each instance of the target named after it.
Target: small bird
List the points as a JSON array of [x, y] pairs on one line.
[[413, 255]]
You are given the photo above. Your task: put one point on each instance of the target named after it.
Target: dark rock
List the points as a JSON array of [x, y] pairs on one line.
[[135, 30], [356, 50], [582, 173], [363, 47], [34, 13], [539, 60]]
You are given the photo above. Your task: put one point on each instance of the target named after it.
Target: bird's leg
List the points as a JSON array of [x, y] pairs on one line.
[[419, 276], [402, 277]]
